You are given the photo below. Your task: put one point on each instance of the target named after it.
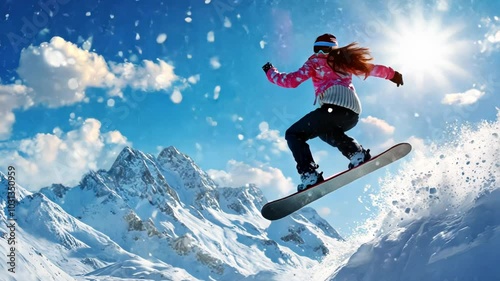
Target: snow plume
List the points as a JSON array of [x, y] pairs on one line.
[[445, 178], [62, 157], [436, 213]]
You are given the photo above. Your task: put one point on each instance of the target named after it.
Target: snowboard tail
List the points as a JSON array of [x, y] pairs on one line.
[[285, 206]]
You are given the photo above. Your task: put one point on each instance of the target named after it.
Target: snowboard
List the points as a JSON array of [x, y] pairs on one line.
[[285, 206]]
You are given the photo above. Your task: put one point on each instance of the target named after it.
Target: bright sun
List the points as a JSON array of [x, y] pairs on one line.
[[424, 49]]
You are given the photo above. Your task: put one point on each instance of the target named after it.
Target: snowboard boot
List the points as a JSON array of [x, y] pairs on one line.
[[309, 179], [359, 157]]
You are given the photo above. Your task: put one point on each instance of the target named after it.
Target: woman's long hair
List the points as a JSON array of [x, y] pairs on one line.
[[351, 59]]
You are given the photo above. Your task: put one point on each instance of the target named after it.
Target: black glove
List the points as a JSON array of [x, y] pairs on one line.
[[267, 66], [398, 78]]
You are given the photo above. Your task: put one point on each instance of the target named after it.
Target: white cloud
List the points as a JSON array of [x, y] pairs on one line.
[[377, 133], [377, 126], [468, 97], [265, 177], [49, 68], [417, 144], [149, 77], [278, 142], [58, 73], [321, 155], [7, 118], [62, 157], [12, 97]]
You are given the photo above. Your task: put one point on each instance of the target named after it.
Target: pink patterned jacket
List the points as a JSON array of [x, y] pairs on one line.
[[326, 81]]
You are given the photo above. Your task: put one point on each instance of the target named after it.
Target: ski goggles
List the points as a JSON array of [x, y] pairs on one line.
[[324, 44]]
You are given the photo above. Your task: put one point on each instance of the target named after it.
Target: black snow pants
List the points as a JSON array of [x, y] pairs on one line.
[[329, 123]]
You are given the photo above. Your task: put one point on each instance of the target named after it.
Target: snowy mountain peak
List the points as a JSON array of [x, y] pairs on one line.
[[167, 209], [55, 190], [129, 155], [240, 200], [135, 174], [171, 150], [172, 158], [125, 155], [9, 184], [172, 154], [190, 174]]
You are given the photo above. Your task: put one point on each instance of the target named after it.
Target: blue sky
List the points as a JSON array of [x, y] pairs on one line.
[[82, 79]]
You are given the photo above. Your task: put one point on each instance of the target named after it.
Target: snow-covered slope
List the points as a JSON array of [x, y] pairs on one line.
[[29, 263], [439, 216], [53, 245], [444, 247]]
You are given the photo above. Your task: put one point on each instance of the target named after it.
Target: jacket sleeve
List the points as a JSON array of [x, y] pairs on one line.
[[292, 79], [382, 71]]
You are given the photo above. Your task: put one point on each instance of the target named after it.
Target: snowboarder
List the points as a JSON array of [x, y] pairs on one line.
[[331, 69]]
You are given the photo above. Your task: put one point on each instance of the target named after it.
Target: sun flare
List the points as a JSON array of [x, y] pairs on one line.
[[425, 50]]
